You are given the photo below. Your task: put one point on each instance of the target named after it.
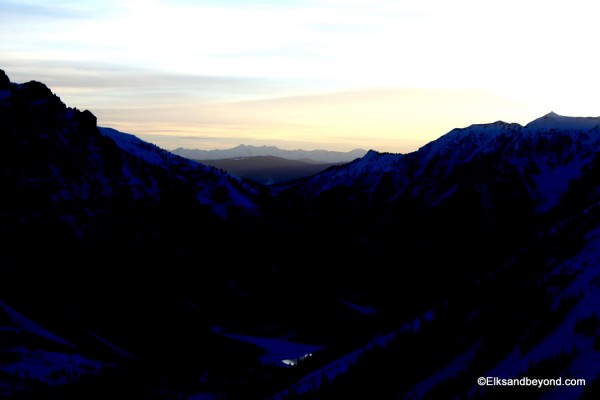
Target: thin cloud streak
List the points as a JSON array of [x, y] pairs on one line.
[[398, 120], [310, 68]]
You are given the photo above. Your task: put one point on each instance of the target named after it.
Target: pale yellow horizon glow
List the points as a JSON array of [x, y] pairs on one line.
[[383, 75], [398, 121]]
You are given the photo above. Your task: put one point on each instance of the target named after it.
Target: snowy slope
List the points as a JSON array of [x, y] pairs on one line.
[[162, 247], [24, 324], [547, 153], [204, 178], [585, 267], [561, 122], [30, 353]]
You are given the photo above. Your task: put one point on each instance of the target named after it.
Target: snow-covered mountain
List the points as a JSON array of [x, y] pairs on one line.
[[131, 254], [317, 156], [489, 177], [545, 155], [498, 223], [126, 268], [234, 194]]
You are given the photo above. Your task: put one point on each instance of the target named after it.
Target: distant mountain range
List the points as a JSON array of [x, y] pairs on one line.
[[128, 269], [244, 151], [270, 165]]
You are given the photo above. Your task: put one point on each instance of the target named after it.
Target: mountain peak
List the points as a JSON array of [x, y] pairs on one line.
[[4, 80], [553, 120], [371, 154]]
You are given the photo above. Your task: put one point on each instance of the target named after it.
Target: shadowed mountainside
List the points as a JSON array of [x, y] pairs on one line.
[[268, 170], [128, 268]]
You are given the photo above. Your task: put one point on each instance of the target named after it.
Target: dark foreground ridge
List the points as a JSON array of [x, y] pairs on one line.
[[129, 269]]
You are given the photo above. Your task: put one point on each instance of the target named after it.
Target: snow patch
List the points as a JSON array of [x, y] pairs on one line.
[[277, 350], [25, 324]]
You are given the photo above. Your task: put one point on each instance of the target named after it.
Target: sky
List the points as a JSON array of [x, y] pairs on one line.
[[315, 74]]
